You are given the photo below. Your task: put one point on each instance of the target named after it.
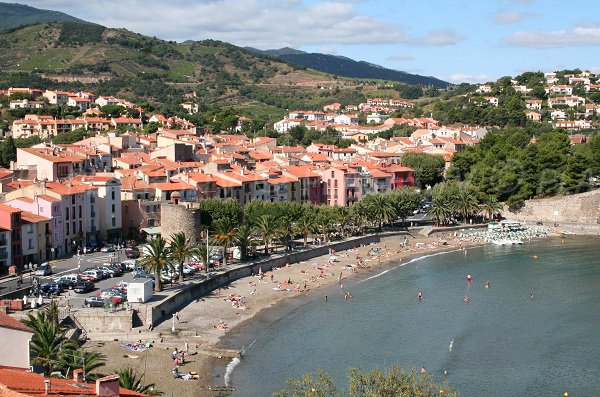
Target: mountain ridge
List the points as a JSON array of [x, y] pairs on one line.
[[348, 67], [15, 15]]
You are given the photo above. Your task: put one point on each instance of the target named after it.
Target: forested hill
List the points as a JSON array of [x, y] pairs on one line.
[[15, 15], [346, 67]]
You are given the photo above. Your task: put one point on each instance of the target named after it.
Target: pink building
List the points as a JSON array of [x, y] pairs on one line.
[[341, 185]]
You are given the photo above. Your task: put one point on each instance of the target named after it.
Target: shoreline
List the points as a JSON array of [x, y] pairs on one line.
[[210, 324]]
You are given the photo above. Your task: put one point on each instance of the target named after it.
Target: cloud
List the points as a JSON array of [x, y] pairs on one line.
[[327, 50], [438, 38], [467, 78], [400, 58], [257, 23], [579, 36], [506, 17]]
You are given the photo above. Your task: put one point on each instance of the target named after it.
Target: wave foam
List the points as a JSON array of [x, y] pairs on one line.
[[229, 370]]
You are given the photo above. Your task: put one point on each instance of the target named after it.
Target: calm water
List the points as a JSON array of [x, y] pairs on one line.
[[502, 343]]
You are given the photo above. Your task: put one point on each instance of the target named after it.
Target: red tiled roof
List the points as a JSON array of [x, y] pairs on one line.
[[7, 321], [24, 383]]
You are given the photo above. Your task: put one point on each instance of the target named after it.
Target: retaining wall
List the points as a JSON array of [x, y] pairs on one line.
[[163, 310], [578, 210], [97, 320]]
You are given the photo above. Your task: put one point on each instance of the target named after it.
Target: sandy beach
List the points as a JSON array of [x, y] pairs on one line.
[[203, 323]]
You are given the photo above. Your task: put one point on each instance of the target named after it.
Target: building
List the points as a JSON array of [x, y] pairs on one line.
[[15, 353], [108, 204], [10, 220], [15, 382], [36, 238]]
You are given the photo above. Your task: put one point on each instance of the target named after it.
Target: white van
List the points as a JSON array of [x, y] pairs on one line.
[[130, 264]]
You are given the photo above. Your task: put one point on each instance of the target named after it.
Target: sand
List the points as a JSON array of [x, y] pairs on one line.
[[202, 323]]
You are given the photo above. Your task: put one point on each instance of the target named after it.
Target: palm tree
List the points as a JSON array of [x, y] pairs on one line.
[[131, 380], [244, 240], [70, 359], [180, 249], [440, 210], [380, 209], [491, 206], [344, 218], [48, 340], [285, 231], [465, 203], [324, 221], [224, 235], [305, 226], [157, 258], [266, 228]]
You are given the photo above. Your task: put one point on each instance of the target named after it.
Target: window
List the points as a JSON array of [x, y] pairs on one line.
[[114, 221], [73, 212], [113, 208], [332, 174], [30, 244], [80, 227], [67, 229], [80, 211], [67, 217], [72, 199], [74, 227], [112, 194]]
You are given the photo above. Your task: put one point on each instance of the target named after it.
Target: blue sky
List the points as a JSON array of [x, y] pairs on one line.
[[455, 40]]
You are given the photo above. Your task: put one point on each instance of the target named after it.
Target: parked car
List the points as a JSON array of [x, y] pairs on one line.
[[83, 287], [94, 301], [51, 289], [132, 253], [130, 264], [93, 273], [108, 248], [113, 294], [68, 280], [107, 270], [44, 270]]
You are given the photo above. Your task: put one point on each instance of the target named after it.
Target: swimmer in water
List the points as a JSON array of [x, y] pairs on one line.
[[423, 371], [466, 299], [420, 295], [531, 296], [487, 284]]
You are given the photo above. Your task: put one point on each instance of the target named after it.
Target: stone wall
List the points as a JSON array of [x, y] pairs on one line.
[[164, 309], [97, 320], [177, 218], [582, 210]]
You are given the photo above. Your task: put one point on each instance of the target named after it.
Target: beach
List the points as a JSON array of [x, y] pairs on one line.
[[203, 323]]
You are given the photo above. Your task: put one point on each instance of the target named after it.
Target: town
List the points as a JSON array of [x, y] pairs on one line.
[[108, 187]]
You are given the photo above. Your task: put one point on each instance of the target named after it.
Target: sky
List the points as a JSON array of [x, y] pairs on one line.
[[454, 40]]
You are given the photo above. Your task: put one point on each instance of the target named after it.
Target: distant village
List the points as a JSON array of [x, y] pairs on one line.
[[110, 187]]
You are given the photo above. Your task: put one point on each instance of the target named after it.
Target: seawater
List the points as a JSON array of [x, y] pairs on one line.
[[501, 343]]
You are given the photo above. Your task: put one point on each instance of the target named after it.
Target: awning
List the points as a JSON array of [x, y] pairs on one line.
[[154, 230]]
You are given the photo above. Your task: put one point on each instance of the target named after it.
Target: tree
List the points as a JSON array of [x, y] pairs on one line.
[[8, 151], [305, 226], [405, 201], [266, 226], [70, 359], [224, 234], [49, 338], [428, 169], [244, 240], [465, 202], [130, 380], [380, 209], [180, 250], [491, 206], [373, 383], [157, 259], [200, 254], [440, 210]]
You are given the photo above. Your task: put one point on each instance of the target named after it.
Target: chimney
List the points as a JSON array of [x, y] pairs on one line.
[[47, 386], [108, 386], [78, 375]]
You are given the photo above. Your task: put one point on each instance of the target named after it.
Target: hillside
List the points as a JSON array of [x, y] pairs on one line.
[[346, 67], [13, 15]]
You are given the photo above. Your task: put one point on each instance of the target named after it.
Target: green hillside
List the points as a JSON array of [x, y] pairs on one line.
[[14, 15]]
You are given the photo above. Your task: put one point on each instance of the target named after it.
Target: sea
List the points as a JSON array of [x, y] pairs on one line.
[[534, 332]]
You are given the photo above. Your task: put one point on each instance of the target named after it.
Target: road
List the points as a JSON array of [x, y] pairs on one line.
[[63, 266]]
